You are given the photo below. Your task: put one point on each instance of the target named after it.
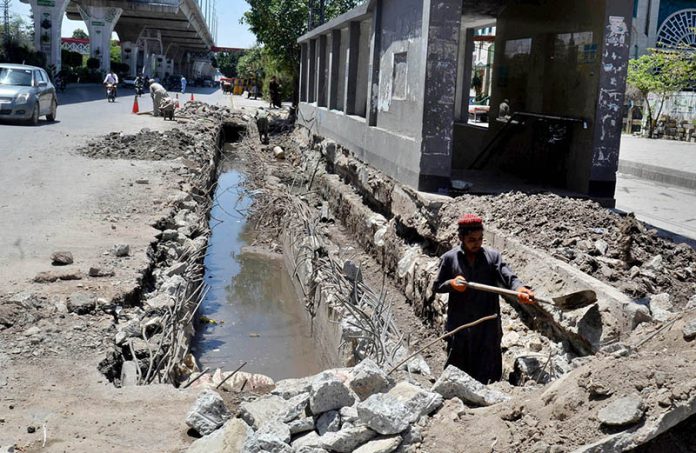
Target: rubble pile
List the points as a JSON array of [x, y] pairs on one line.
[[145, 145], [616, 249], [357, 409]]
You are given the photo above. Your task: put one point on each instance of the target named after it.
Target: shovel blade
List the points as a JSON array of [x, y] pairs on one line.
[[576, 300]]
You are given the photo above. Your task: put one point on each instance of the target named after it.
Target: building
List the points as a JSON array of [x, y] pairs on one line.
[[390, 81], [658, 23]]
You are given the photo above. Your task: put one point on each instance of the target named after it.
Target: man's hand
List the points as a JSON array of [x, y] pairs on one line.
[[525, 296], [458, 283]]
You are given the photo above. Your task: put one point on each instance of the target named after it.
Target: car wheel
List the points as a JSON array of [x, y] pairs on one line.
[[34, 120], [54, 111]]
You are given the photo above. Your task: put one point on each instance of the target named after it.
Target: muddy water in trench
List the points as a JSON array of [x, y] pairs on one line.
[[251, 297]]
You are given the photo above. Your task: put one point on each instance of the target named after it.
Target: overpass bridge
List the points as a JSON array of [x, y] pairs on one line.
[[157, 36]]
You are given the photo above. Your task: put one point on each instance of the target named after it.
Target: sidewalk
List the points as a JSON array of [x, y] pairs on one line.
[[657, 181]]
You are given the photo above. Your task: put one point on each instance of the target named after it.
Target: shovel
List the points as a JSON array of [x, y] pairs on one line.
[[571, 301]]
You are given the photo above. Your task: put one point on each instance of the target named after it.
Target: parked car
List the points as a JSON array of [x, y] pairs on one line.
[[478, 110], [26, 93]]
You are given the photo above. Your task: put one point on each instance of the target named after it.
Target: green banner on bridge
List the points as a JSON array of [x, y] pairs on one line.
[[46, 3]]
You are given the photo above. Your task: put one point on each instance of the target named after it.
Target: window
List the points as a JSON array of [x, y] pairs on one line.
[[400, 76]]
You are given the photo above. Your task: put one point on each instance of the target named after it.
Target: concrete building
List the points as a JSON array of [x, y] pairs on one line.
[[659, 23], [390, 81]]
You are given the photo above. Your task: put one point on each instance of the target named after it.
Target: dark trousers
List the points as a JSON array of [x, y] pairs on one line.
[[477, 352]]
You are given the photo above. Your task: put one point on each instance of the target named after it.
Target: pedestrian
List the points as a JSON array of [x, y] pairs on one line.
[[262, 124], [475, 350], [183, 85], [274, 90], [158, 94]]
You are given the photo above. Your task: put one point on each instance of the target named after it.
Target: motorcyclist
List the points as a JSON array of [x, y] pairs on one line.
[[139, 84], [111, 79]]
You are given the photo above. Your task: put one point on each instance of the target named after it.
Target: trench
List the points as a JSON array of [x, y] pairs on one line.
[[251, 312]]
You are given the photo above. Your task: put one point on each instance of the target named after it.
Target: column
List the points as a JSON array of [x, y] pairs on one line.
[[311, 85], [48, 21], [100, 22], [303, 72], [374, 63], [321, 72], [129, 56], [334, 73], [352, 69], [439, 93], [467, 57], [612, 86]]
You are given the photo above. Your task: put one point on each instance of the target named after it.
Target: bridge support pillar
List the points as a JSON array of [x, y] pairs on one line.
[[129, 56], [48, 21], [100, 23]]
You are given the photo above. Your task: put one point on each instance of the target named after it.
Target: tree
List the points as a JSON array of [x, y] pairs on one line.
[[115, 51], [278, 24], [227, 63], [252, 63], [79, 34], [660, 73]]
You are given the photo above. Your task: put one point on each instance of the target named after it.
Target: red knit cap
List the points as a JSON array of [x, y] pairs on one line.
[[468, 220]]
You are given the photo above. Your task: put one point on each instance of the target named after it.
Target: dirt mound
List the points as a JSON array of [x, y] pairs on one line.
[[145, 145], [613, 248]]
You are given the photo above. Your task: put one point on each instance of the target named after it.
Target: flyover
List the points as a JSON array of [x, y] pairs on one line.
[[157, 36]]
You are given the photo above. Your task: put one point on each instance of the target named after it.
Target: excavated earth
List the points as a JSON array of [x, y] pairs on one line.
[[78, 409]]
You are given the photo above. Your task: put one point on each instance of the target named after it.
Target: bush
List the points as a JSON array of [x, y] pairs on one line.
[[71, 59], [119, 68], [16, 53], [93, 63]]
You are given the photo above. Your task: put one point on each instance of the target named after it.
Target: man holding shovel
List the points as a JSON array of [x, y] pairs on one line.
[[476, 350]]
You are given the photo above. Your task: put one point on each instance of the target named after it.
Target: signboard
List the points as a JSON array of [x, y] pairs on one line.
[[98, 23], [46, 2]]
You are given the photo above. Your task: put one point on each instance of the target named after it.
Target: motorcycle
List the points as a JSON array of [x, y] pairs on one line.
[[60, 84], [110, 92]]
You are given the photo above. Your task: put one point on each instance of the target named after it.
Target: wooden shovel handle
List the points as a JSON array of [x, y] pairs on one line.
[[504, 292]]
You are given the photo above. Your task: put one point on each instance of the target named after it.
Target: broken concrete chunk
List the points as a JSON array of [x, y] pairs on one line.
[[352, 271], [208, 413], [278, 152], [454, 382], [170, 235], [309, 440], [623, 411], [81, 303], [380, 445], [417, 400], [258, 412], [61, 258], [301, 425], [328, 393], [121, 250], [287, 388], [257, 383], [310, 450], [661, 307], [296, 407], [689, 331], [637, 314], [273, 436], [160, 301], [385, 414], [129, 374], [128, 330], [601, 246], [328, 422], [347, 439], [173, 286], [96, 271], [231, 437], [368, 378]]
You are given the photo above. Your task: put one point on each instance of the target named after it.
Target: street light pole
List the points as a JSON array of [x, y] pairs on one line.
[[6, 21]]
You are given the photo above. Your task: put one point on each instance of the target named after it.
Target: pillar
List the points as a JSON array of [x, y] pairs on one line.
[[311, 85], [612, 86], [129, 56], [334, 72], [303, 72], [442, 31], [374, 64], [100, 23], [466, 57], [352, 69], [48, 21], [322, 72]]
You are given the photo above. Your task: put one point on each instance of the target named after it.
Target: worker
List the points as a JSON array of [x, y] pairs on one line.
[[262, 124], [183, 84], [475, 350], [158, 94], [504, 110], [274, 91]]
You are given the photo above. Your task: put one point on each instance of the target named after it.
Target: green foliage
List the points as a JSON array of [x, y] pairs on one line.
[[70, 59], [93, 63], [277, 24], [660, 73], [115, 51], [227, 63], [252, 63], [79, 34], [119, 68]]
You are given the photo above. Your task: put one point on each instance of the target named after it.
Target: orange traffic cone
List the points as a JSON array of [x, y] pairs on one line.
[[192, 99], [136, 109], [177, 100]]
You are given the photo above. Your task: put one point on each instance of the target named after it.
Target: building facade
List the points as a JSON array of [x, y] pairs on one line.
[[659, 23], [390, 81]]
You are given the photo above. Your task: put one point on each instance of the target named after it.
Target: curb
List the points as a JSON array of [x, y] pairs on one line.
[[658, 174]]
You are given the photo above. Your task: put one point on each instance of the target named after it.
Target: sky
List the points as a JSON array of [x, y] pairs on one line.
[[230, 32]]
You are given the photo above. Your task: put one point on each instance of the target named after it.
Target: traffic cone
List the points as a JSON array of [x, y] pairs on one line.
[[192, 99], [136, 109], [177, 100]]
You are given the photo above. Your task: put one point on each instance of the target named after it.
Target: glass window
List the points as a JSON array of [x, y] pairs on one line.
[[18, 77]]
